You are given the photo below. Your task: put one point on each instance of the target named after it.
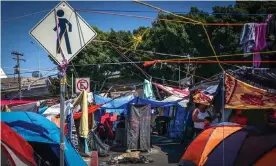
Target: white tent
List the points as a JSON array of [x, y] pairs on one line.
[[182, 102]]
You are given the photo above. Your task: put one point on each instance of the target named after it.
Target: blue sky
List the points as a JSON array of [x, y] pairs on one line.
[[15, 32]]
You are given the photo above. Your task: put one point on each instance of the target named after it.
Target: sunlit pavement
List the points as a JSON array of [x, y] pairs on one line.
[[164, 152]]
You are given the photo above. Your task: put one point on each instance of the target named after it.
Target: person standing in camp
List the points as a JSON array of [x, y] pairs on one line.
[[115, 125], [198, 118]]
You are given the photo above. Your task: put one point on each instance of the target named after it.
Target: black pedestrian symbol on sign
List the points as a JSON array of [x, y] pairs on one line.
[[62, 26]]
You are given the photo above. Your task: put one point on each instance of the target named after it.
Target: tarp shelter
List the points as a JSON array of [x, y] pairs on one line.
[[55, 109], [232, 145], [122, 103], [29, 107], [14, 148], [245, 88], [177, 125], [15, 102], [138, 127], [36, 128], [182, 102]]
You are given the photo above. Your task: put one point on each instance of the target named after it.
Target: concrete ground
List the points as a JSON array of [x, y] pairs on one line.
[[164, 152]]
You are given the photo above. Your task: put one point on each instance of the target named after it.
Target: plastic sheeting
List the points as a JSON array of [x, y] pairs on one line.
[[177, 127], [138, 127], [182, 102], [55, 109], [122, 102], [30, 107], [35, 128], [15, 102], [95, 144]]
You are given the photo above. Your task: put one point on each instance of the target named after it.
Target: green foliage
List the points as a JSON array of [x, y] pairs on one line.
[[171, 38], [54, 88]]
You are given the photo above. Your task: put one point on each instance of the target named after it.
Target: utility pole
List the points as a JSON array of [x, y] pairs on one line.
[[17, 69]]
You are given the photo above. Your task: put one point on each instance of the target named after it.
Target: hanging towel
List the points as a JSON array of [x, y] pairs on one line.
[[82, 100], [147, 90], [248, 37]]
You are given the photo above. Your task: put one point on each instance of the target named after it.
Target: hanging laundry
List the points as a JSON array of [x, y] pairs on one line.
[[147, 90], [260, 43], [248, 37], [82, 100]]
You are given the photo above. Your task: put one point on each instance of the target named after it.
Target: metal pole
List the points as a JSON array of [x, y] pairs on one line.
[[17, 70], [179, 76], [222, 100], [72, 84], [62, 98], [38, 64]]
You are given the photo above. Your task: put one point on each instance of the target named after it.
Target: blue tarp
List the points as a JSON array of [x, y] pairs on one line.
[[154, 103], [42, 110], [178, 126], [122, 102], [36, 128], [117, 105]]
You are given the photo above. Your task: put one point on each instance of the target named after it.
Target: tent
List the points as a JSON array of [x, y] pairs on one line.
[[42, 134], [232, 145], [15, 102], [14, 148]]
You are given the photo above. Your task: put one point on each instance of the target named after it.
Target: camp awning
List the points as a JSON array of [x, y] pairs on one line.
[[122, 102], [245, 88]]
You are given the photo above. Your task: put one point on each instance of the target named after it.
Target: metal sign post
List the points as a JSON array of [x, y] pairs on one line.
[[62, 99], [63, 34]]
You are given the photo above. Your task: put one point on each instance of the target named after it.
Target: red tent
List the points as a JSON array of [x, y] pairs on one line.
[[91, 109], [15, 102], [14, 148]]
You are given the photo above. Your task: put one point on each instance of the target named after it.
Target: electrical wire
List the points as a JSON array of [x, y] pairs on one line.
[[160, 19], [140, 11], [202, 24], [31, 14], [35, 82], [179, 12]]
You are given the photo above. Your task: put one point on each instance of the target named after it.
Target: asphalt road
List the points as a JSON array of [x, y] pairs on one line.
[[164, 152]]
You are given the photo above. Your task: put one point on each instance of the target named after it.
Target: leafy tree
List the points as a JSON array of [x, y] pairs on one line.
[[172, 38]]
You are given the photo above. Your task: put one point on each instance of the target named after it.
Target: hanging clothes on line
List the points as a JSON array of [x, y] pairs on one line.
[[260, 43], [254, 38], [248, 37]]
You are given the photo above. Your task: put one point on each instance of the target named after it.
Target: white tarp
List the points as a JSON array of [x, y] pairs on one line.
[[182, 103]]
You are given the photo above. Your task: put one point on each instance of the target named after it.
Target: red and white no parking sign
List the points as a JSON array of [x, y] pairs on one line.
[[82, 84]]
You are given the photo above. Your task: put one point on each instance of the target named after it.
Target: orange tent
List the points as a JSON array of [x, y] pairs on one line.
[[232, 145]]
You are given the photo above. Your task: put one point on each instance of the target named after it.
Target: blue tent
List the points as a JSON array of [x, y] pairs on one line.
[[36, 128]]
